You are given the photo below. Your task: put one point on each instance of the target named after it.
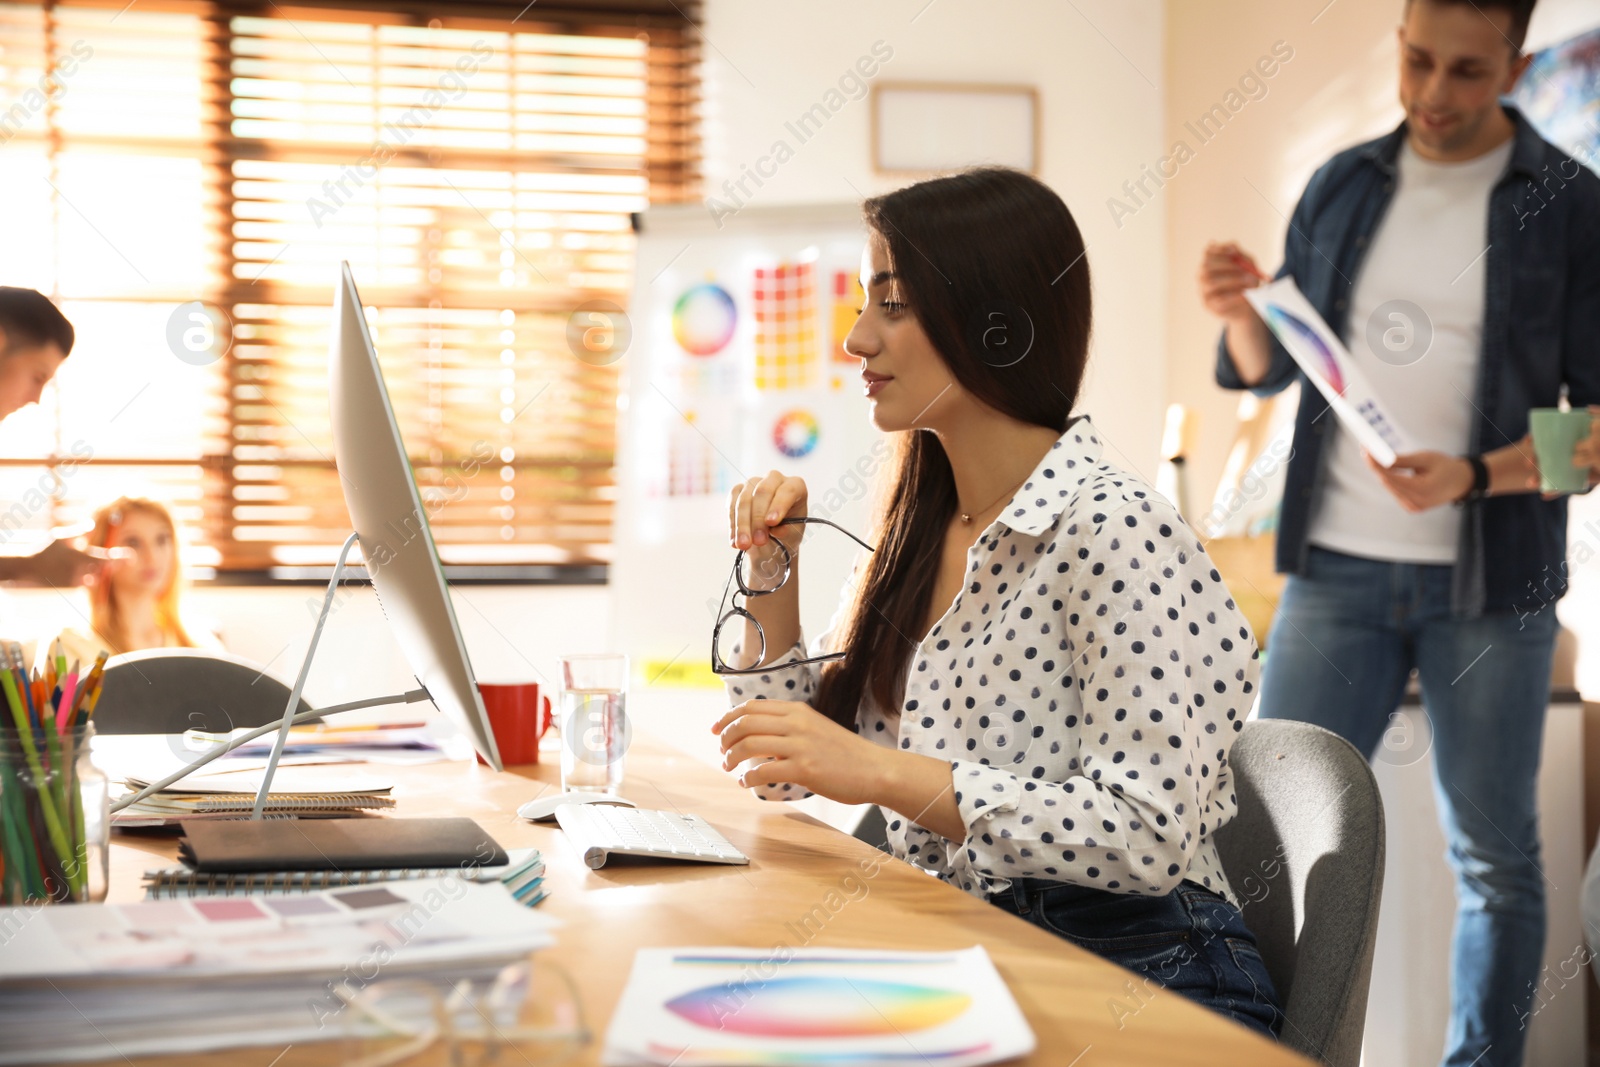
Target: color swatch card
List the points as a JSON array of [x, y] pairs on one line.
[[1320, 353], [785, 300], [697, 1007]]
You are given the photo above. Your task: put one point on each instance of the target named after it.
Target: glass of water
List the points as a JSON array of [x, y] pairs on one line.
[[594, 721]]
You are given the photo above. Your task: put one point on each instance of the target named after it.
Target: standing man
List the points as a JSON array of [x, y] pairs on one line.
[[1459, 259], [34, 341]]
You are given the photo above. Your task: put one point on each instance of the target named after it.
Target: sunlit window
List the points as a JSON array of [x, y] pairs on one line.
[[478, 175]]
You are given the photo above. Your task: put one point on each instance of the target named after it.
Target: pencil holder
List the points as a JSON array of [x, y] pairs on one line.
[[54, 823]]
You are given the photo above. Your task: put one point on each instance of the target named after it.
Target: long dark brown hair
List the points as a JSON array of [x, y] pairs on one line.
[[992, 265]]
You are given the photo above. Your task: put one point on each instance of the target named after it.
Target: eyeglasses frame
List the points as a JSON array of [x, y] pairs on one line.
[[735, 609]]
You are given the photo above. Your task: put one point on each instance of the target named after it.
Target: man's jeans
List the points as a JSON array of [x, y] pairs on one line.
[[1345, 639]]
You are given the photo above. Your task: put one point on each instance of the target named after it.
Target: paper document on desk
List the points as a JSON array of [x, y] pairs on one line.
[[695, 1007], [1329, 365]]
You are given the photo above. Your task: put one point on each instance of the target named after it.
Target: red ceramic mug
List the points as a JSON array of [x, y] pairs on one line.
[[519, 715]]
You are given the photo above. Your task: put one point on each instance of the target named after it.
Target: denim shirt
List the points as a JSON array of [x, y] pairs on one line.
[[1541, 334]]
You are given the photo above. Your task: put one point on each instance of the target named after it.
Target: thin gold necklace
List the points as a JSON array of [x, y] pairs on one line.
[[966, 517]]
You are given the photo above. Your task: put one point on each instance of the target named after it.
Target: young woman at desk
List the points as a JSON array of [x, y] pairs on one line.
[[1039, 674], [135, 604]]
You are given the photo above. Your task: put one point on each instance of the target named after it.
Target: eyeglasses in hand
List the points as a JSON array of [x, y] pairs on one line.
[[744, 576]]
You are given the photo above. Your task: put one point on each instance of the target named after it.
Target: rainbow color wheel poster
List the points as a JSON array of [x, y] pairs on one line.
[[799, 1007], [820, 1006]]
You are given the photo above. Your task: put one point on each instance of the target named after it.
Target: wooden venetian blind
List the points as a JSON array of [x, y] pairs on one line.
[[475, 163]]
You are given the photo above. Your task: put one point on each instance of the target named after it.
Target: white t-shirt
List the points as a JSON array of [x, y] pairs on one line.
[[1415, 330]]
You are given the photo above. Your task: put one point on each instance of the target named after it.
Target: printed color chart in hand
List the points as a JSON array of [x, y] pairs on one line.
[[784, 299]]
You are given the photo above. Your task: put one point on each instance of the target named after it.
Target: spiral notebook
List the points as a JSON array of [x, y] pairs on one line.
[[523, 877], [224, 795], [206, 803]]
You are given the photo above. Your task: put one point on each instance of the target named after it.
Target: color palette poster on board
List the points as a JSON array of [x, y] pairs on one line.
[[721, 385], [813, 1006], [696, 378], [784, 300], [751, 373]]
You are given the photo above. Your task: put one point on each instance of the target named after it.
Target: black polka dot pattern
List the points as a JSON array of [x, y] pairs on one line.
[[1086, 685]]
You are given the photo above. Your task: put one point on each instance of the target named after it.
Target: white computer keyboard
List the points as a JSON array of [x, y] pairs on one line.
[[600, 831]]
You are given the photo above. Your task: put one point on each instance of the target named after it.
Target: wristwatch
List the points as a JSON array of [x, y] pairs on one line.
[[1480, 481]]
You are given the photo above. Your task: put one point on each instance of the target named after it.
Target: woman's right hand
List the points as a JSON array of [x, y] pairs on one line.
[[760, 504]]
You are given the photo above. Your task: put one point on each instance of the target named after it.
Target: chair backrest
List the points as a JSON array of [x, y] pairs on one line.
[[1304, 854], [170, 690]]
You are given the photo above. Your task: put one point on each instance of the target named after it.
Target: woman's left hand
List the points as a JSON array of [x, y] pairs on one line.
[[802, 746]]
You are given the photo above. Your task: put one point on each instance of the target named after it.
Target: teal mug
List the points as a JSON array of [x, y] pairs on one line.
[[1555, 434]]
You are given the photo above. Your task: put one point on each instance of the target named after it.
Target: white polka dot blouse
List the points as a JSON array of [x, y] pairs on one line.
[[1085, 685]]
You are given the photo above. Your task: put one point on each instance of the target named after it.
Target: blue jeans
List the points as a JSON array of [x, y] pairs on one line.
[[1346, 638], [1190, 941]]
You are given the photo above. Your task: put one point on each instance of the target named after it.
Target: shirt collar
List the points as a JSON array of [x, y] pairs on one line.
[[1042, 498], [1527, 153]]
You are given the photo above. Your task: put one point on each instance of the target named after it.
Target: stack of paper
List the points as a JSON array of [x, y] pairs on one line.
[[695, 1007], [109, 981]]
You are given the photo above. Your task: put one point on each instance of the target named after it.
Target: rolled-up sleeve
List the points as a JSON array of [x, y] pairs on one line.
[[1163, 667]]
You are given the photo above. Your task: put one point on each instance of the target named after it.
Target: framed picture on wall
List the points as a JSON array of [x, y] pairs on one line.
[[926, 127]]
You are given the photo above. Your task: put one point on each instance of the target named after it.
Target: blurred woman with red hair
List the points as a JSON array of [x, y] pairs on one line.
[[134, 602]]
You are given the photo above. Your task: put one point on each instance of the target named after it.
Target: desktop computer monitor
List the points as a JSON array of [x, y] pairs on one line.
[[386, 510]]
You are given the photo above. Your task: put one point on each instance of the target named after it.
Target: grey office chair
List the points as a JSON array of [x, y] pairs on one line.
[[170, 690], [1304, 853]]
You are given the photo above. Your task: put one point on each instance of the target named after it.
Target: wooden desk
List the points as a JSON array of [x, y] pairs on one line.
[[794, 891]]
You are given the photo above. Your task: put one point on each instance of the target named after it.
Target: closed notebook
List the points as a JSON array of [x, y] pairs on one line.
[[336, 844]]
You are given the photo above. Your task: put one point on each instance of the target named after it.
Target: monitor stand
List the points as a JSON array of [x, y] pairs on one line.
[[290, 717]]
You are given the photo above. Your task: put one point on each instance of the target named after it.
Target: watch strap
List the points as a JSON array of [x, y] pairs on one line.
[[1480, 480]]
